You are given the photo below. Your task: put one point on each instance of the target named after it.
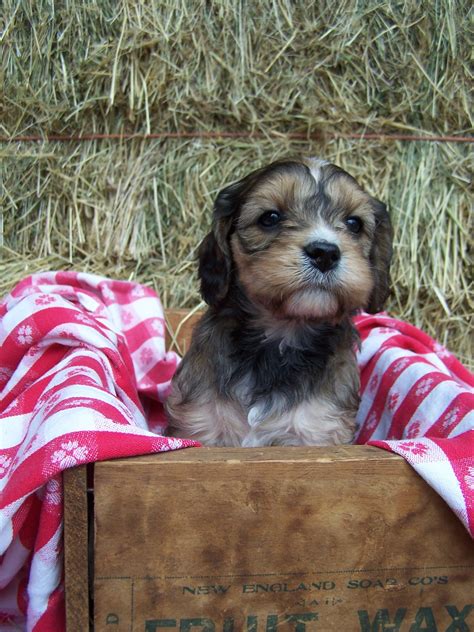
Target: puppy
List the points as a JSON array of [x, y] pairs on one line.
[[295, 249]]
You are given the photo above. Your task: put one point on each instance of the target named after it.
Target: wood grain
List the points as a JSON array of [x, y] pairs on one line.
[[281, 531], [76, 549], [325, 454]]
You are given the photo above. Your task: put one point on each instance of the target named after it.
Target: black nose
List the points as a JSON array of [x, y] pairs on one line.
[[323, 254]]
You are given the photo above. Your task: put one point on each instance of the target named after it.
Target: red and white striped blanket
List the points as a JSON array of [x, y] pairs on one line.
[[417, 400], [84, 372]]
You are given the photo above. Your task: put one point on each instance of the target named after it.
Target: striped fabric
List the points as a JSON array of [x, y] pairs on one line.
[[83, 373], [417, 400]]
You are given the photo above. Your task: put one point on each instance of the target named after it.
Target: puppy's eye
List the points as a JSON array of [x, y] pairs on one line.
[[354, 224], [269, 219]]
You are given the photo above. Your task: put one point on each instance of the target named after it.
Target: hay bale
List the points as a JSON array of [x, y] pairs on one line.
[[138, 208], [233, 65]]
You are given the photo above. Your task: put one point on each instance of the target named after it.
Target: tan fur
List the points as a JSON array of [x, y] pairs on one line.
[[276, 273], [287, 294], [327, 418]]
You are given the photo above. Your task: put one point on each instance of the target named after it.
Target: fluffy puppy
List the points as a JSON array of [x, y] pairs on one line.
[[295, 249]]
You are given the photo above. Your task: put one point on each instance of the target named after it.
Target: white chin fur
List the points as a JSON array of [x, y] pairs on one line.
[[312, 304]]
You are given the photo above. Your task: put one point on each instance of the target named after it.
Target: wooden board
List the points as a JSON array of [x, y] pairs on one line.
[[76, 554], [179, 328], [277, 539]]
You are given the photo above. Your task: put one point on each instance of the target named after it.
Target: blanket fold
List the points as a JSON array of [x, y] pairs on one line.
[[417, 400], [81, 357]]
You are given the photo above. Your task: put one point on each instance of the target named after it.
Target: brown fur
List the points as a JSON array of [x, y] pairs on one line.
[[271, 300]]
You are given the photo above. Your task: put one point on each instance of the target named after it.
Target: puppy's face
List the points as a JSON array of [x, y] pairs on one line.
[[303, 239]]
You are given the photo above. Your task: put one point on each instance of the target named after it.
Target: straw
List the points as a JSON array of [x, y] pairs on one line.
[[304, 79]]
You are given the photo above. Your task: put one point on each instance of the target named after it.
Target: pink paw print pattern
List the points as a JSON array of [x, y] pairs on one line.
[[424, 386], [146, 355], [412, 447], [173, 444], [413, 430], [371, 421], [25, 335], [5, 462], [441, 350], [400, 365], [5, 374], [451, 417], [45, 299], [126, 317], [393, 401], [53, 494], [374, 382], [469, 478], [83, 318], [70, 454]]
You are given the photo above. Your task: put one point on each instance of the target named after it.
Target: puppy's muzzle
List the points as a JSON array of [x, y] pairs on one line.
[[324, 255]]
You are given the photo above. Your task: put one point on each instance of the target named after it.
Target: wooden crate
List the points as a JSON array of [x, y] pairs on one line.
[[263, 540]]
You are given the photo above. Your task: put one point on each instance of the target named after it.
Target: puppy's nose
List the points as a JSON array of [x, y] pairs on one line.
[[323, 254]]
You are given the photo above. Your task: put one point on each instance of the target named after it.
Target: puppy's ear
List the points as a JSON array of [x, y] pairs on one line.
[[380, 257], [214, 269], [215, 259]]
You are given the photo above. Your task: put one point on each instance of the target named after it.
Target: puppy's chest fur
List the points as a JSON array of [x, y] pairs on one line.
[[239, 386]]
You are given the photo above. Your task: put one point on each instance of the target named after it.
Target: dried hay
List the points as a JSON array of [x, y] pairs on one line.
[[137, 208], [272, 65]]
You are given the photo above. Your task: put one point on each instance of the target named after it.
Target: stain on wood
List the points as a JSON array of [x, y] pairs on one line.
[[226, 538]]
